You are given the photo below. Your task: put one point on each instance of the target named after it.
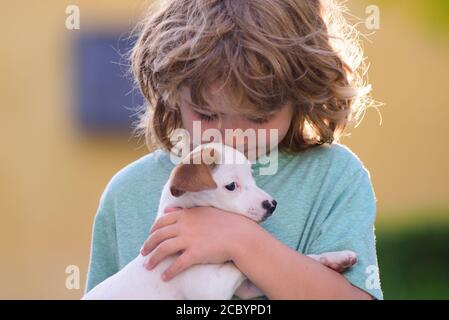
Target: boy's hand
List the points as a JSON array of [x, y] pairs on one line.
[[201, 234]]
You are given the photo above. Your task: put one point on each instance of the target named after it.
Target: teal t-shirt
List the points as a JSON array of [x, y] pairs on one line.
[[325, 202]]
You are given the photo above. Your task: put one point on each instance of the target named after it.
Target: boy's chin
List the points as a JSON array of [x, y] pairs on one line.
[[254, 154]]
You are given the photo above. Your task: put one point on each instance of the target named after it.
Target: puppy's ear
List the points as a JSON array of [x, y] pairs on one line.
[[194, 173]]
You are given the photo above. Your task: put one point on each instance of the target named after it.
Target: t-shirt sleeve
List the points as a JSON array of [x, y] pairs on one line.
[[103, 256], [349, 225]]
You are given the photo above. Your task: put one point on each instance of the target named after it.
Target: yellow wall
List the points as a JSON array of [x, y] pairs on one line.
[[52, 176], [408, 155]]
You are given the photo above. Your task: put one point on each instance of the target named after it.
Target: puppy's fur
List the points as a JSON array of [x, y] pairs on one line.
[[211, 175]]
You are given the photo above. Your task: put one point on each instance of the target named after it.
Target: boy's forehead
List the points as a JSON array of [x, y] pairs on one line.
[[220, 99], [217, 98]]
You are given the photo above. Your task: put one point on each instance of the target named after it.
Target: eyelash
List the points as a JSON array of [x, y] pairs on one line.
[[260, 120], [210, 118], [207, 118]]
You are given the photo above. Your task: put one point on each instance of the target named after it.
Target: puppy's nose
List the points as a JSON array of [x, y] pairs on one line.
[[269, 206]]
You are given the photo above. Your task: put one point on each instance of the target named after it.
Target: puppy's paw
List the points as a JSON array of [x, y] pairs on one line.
[[248, 290], [339, 261]]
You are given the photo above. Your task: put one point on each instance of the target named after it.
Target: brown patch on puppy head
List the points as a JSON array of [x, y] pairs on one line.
[[194, 173]]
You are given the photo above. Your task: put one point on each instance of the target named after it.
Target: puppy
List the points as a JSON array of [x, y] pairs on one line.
[[213, 175]]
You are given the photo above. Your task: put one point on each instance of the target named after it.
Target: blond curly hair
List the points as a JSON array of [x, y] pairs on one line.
[[269, 52]]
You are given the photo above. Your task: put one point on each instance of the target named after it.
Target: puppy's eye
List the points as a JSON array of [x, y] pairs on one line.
[[231, 186]]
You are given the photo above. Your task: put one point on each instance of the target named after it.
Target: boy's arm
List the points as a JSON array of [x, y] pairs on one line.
[[283, 273], [338, 261], [103, 256]]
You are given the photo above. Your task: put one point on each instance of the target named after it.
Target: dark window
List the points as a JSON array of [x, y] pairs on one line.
[[105, 99]]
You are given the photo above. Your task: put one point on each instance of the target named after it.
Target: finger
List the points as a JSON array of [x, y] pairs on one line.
[[180, 264], [157, 237], [163, 221], [172, 209], [164, 250]]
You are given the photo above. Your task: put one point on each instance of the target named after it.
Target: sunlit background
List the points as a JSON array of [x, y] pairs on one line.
[[65, 114]]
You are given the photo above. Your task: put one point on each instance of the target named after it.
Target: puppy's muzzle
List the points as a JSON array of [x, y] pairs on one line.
[[269, 207]]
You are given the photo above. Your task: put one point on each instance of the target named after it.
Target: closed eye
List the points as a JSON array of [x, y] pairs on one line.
[[206, 117], [213, 117], [259, 120]]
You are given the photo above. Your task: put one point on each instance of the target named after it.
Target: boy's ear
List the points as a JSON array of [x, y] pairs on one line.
[[194, 173]]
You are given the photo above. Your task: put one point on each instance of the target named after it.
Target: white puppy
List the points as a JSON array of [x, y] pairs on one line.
[[211, 175]]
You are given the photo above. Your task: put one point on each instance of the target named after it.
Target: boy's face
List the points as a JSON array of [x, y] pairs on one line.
[[228, 118]]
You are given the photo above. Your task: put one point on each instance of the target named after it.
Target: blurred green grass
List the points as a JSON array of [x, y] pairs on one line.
[[414, 257]]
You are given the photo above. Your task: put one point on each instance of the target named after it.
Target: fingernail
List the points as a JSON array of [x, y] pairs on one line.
[[164, 277]]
